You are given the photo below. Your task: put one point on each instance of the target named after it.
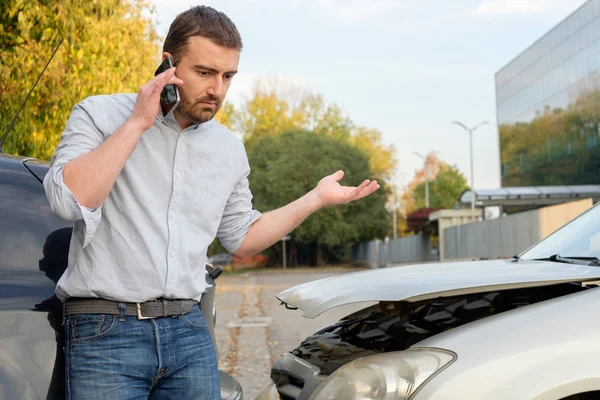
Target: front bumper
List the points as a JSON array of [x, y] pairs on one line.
[[293, 378], [230, 387]]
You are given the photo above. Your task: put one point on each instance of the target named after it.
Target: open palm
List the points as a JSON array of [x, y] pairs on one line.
[[330, 192]]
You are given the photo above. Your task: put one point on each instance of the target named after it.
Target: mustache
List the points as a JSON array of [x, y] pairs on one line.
[[210, 99]]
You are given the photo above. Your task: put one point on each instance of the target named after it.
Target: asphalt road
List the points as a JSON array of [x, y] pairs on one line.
[[253, 329]]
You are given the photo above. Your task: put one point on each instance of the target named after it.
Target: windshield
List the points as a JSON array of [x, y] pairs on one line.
[[579, 238]]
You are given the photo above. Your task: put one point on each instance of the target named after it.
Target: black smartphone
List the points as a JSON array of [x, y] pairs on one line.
[[169, 97]]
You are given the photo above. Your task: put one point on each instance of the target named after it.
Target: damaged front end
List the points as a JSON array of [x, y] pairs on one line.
[[394, 326]]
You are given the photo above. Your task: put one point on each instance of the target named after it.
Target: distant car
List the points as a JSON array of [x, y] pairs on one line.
[[221, 259], [520, 329], [34, 248]]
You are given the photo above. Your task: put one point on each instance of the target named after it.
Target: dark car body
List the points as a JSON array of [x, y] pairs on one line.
[[34, 247]]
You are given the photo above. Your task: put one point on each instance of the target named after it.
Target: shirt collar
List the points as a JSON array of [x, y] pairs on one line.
[[172, 122]]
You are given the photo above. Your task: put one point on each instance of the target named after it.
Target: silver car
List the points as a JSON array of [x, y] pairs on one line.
[[519, 329]]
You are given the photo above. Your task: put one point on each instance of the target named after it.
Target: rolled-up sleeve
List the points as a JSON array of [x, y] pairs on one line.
[[237, 216], [79, 137]]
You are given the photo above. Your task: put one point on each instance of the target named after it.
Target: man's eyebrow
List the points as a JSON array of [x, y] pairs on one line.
[[204, 67]]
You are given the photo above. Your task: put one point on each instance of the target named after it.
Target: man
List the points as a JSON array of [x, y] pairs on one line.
[[148, 194]]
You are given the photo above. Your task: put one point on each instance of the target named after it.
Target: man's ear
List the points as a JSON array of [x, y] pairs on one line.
[[165, 54]]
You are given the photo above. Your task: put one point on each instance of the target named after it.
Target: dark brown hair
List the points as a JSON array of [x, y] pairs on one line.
[[201, 21]]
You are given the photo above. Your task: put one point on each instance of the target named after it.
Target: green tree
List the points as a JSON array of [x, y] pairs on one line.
[[444, 189], [109, 46], [286, 167]]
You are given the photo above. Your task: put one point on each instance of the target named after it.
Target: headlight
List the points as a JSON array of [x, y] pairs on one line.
[[388, 376]]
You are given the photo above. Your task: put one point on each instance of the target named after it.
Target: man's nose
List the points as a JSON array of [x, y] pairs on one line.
[[216, 87]]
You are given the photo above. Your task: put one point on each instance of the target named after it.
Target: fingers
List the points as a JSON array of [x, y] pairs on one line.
[[170, 72], [365, 190], [338, 175], [163, 79], [166, 76], [357, 191], [175, 80]]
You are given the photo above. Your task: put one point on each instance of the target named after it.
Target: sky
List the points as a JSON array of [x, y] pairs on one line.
[[405, 67]]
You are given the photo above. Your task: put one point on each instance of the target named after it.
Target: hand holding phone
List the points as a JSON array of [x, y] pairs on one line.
[[169, 96], [149, 103]]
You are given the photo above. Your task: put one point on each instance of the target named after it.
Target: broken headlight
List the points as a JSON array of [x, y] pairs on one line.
[[387, 376]]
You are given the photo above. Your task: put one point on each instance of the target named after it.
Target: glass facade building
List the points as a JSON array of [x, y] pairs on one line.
[[548, 106]]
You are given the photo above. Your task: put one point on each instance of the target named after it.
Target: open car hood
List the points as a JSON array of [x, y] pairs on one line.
[[428, 281]]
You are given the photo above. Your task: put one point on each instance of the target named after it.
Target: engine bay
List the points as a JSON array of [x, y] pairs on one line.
[[395, 326]]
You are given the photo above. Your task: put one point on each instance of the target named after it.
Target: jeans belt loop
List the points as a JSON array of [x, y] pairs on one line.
[[122, 312]]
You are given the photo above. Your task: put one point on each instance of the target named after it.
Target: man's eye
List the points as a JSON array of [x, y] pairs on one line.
[[203, 73]]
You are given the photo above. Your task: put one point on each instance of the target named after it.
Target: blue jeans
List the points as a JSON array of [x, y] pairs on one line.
[[162, 358]]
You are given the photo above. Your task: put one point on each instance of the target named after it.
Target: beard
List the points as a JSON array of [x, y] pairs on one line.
[[194, 111]]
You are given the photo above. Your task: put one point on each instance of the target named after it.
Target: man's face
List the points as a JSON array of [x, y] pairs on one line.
[[206, 70]]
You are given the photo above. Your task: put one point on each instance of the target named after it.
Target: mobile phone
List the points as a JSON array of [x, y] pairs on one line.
[[169, 96]]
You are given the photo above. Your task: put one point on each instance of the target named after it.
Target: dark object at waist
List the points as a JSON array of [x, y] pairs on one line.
[[149, 309]]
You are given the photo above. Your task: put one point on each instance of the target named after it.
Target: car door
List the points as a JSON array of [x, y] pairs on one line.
[[34, 246]]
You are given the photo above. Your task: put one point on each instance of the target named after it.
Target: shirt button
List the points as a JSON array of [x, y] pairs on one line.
[[177, 174], [172, 254]]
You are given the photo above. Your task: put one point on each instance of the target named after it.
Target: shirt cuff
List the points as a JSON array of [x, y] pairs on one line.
[[232, 243], [90, 216], [91, 219]]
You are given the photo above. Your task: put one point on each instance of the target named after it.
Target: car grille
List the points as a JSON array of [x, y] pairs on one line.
[[295, 378]]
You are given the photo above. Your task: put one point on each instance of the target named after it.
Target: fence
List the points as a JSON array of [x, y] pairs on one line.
[[378, 253], [508, 236]]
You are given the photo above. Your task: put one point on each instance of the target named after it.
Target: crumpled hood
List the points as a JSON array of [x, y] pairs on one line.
[[427, 281]]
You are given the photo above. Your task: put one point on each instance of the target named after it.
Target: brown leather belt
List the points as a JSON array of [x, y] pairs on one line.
[[146, 310]]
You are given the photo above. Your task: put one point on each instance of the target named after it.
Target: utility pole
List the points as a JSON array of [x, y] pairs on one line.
[[470, 130], [394, 208], [426, 166]]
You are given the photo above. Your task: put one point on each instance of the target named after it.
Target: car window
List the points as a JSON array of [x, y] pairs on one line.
[[34, 243], [579, 238]]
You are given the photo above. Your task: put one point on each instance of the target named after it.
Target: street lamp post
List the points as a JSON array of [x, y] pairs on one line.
[[426, 176], [394, 207], [470, 130]]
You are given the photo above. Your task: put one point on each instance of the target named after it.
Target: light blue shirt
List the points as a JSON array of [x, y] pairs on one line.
[[178, 190]]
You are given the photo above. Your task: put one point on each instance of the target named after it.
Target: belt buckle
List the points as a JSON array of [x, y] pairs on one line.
[[138, 308]]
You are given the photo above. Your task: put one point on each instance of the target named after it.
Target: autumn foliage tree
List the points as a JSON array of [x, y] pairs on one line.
[[109, 46], [446, 184], [430, 168], [274, 108]]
